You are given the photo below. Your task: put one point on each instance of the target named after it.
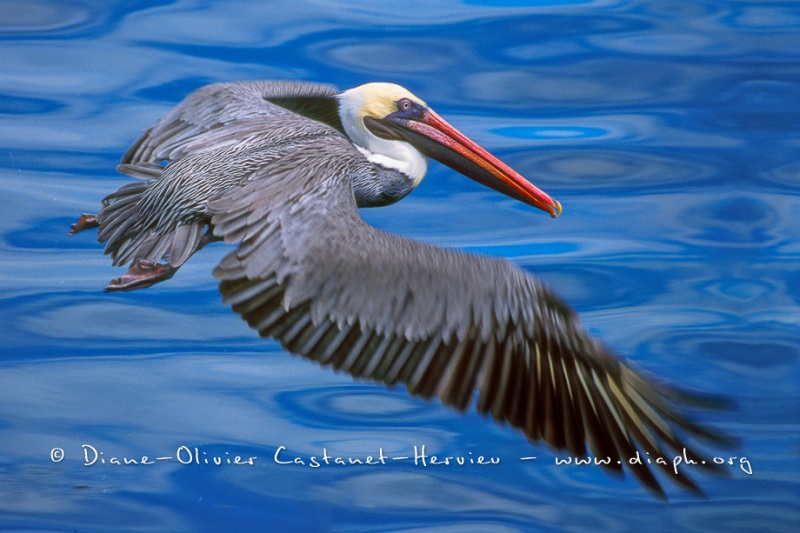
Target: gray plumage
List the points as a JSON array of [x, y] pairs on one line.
[[266, 166]]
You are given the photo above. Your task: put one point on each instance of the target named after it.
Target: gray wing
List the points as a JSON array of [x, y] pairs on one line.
[[311, 273], [216, 116], [214, 140]]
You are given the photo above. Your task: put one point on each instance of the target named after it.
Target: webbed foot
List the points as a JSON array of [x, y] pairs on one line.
[[140, 275], [87, 221]]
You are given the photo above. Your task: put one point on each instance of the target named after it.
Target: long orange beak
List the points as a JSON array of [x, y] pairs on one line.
[[436, 138]]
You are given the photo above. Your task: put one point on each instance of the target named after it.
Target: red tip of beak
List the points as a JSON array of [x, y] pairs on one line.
[[557, 212]]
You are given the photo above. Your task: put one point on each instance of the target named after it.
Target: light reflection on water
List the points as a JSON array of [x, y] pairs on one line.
[[667, 130]]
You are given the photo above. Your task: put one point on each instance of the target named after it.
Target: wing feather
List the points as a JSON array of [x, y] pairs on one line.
[[210, 117]]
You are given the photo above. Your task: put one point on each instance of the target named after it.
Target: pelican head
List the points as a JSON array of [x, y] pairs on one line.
[[395, 129]]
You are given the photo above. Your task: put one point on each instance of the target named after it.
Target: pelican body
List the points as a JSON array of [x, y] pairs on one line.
[[279, 169]]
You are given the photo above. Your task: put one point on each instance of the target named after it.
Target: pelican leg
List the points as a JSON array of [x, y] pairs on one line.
[[87, 221], [140, 275]]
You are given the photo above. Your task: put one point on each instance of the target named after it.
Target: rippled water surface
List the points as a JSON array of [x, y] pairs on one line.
[[667, 129]]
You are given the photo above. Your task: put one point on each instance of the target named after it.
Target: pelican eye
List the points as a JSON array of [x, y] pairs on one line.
[[404, 104], [409, 109]]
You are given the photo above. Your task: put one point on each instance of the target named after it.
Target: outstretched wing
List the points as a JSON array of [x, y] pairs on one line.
[[311, 273], [216, 116]]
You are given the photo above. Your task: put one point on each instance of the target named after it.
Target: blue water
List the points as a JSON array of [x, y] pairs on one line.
[[668, 130]]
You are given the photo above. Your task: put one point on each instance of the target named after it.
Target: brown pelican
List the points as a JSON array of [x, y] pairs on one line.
[[280, 168]]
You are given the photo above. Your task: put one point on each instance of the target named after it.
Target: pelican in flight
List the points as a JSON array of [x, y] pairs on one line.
[[281, 168]]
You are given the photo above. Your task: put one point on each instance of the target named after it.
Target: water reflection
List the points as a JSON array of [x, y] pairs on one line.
[[620, 172], [735, 222], [41, 18], [396, 58]]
